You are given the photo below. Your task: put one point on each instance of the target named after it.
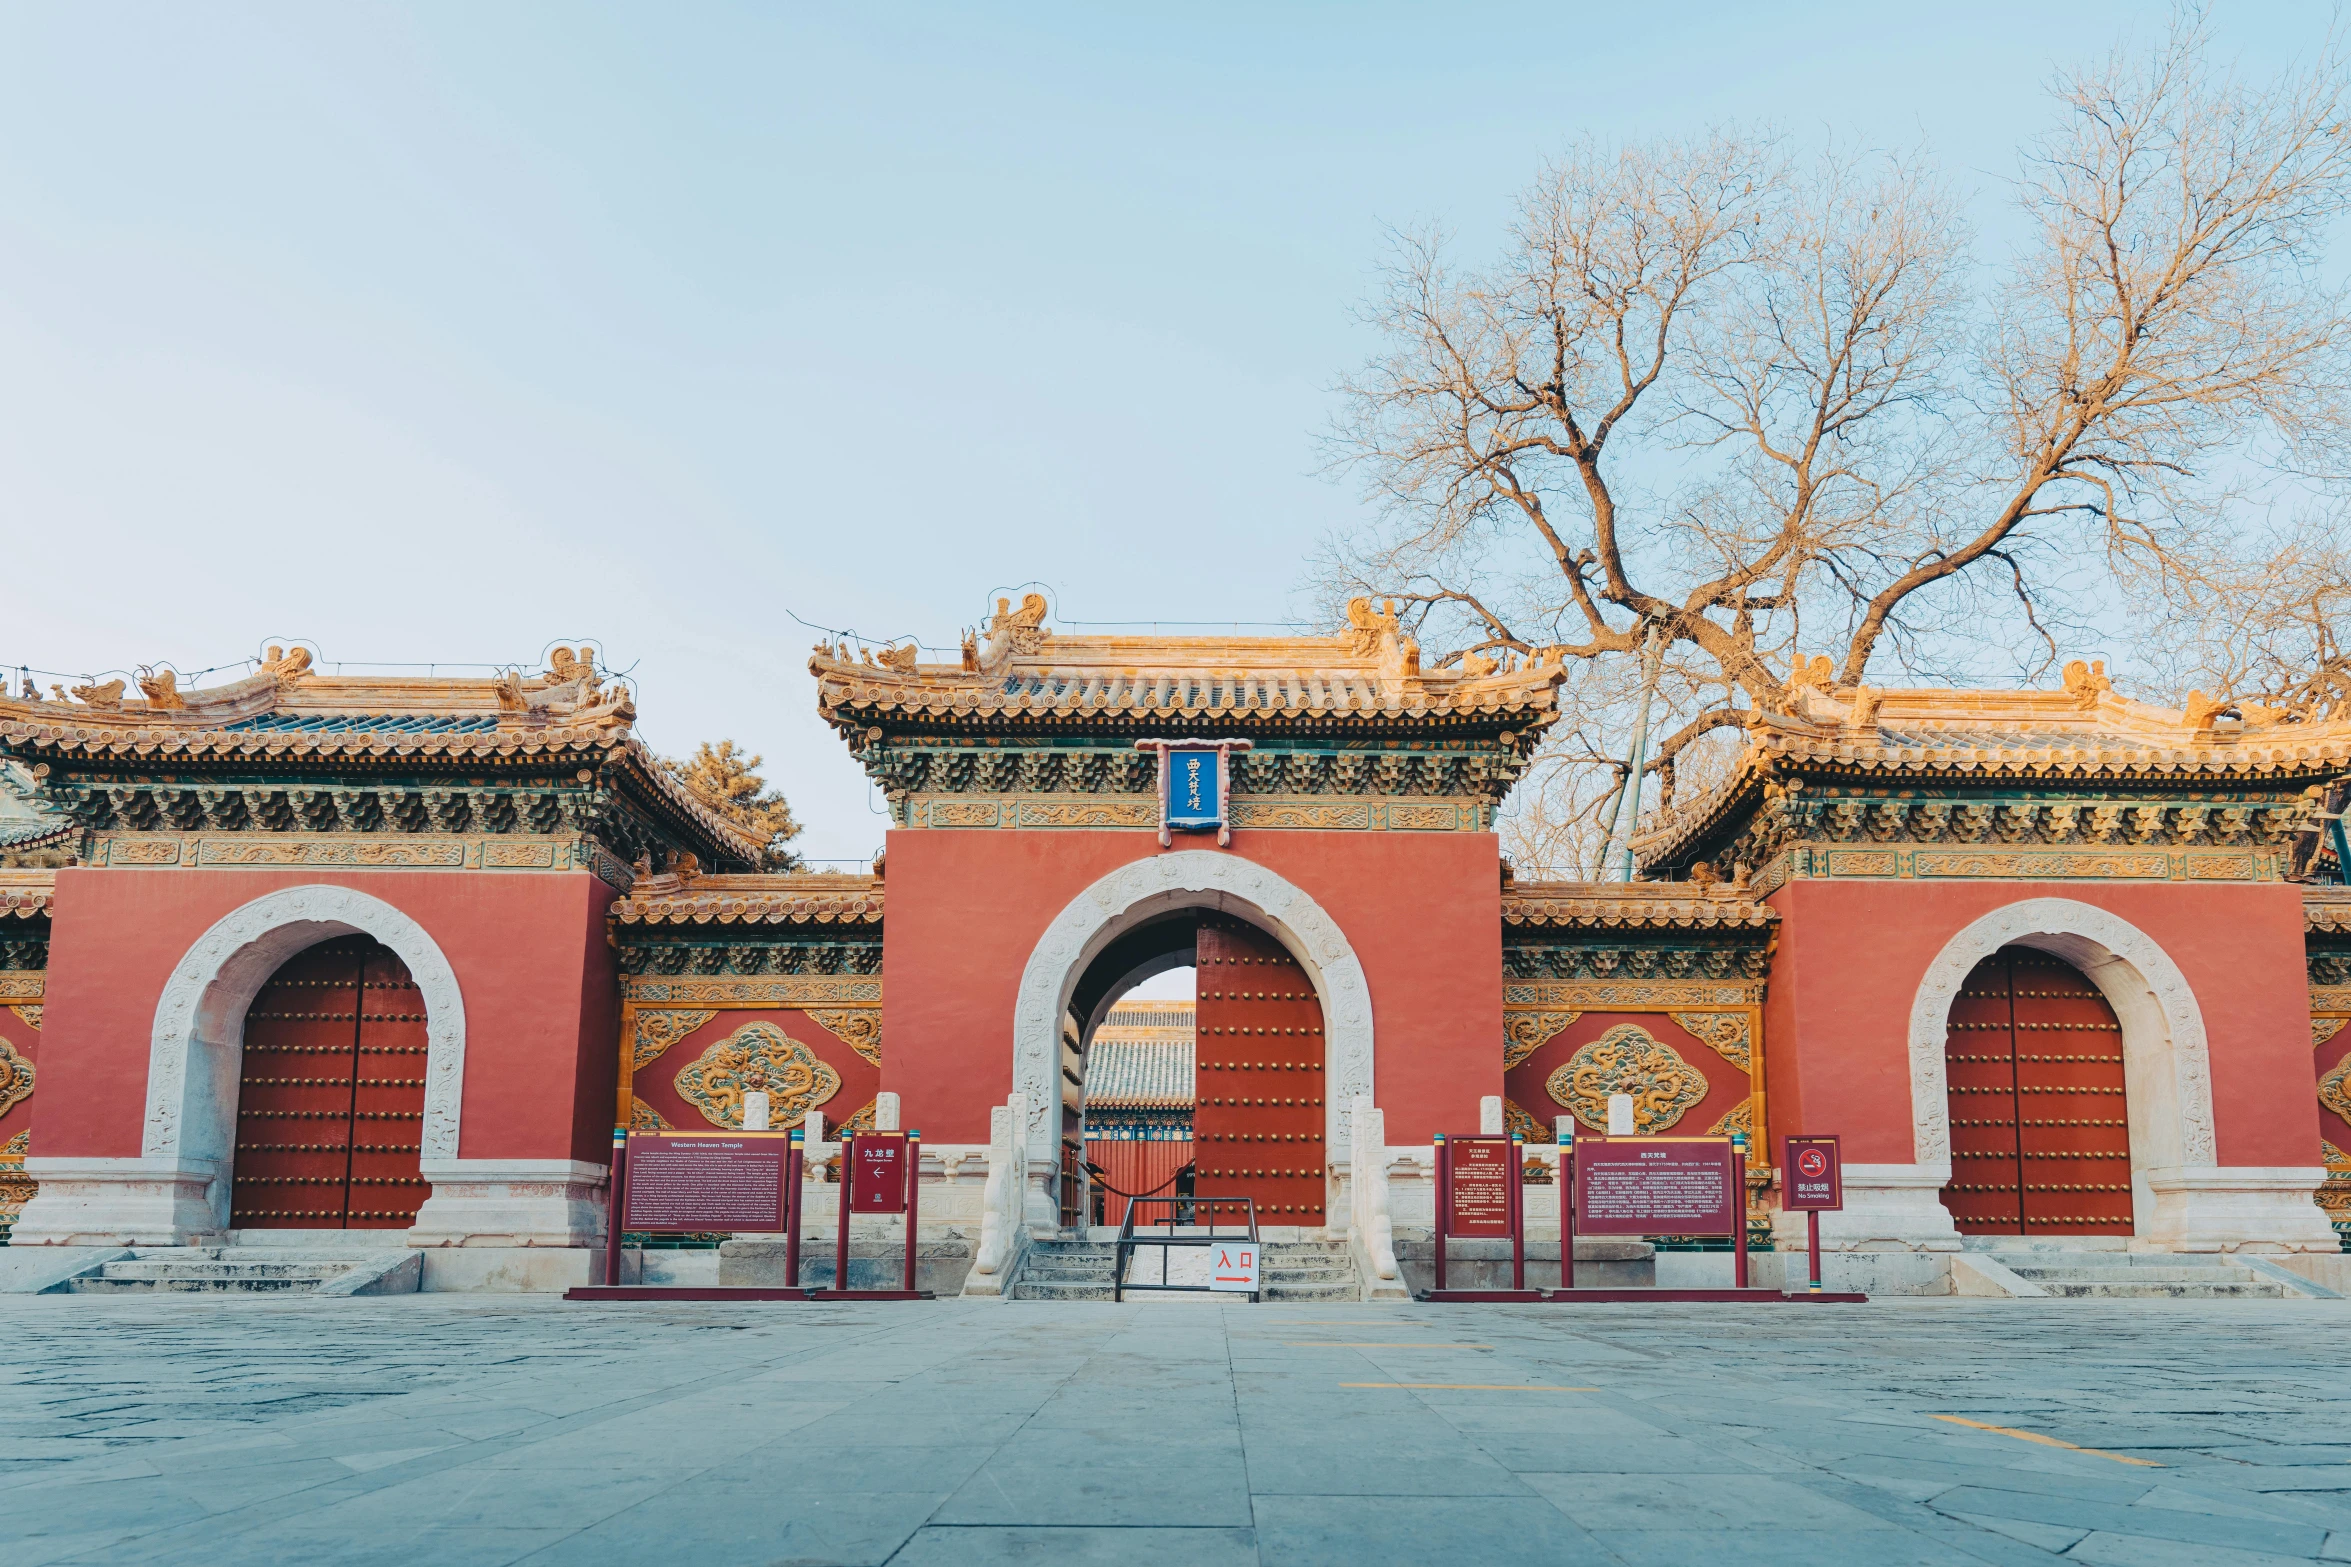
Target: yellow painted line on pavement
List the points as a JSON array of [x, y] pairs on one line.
[[1332, 1343], [2050, 1441], [1480, 1387]]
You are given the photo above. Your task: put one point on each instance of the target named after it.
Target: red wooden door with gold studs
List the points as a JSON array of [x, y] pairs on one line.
[[330, 1111], [2040, 1125], [1257, 1126]]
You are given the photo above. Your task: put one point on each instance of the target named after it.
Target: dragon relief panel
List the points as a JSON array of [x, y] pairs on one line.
[[1627, 1059], [860, 1028], [658, 1028], [795, 1078], [1524, 1033], [16, 1076], [1725, 1032]]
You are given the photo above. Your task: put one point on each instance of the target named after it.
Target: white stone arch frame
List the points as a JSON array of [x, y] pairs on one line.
[[196, 1052], [1188, 879], [2167, 1071]]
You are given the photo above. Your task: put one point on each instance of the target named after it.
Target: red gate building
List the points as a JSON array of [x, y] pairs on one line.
[[330, 953]]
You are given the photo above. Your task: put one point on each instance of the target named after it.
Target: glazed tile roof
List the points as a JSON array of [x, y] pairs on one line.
[[1639, 905], [25, 894], [763, 899], [1024, 672], [366, 723], [286, 712], [1141, 1057], [2084, 731], [2327, 909]]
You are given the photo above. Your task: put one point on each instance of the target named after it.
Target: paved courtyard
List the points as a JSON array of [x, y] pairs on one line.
[[471, 1429]]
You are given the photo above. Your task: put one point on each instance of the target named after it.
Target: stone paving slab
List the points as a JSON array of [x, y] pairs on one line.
[[519, 1429]]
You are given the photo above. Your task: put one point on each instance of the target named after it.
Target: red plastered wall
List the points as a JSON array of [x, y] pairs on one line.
[[1423, 913], [1851, 956], [532, 965]]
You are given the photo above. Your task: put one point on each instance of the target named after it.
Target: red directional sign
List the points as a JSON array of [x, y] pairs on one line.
[[1812, 1176], [878, 1183]]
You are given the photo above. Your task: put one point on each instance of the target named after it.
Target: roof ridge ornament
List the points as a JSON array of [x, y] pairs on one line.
[[1015, 633]]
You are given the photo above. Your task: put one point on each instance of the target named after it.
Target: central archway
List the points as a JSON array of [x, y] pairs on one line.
[[1137, 894]]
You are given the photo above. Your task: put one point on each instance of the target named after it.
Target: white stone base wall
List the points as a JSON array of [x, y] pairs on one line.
[[511, 1202], [2239, 1208], [119, 1202]]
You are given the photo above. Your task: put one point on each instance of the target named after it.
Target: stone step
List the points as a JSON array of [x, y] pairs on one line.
[[158, 1268], [2040, 1273], [99, 1285], [2166, 1291], [1053, 1289], [2093, 1259]]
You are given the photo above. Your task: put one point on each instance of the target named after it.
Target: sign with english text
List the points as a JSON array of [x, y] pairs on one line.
[[1812, 1176], [1656, 1186], [695, 1183]]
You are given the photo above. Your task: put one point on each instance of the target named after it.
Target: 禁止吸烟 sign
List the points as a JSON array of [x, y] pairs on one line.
[[687, 1182], [1812, 1177], [1481, 1185], [1656, 1186]]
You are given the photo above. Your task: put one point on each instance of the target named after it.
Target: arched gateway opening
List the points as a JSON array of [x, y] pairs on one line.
[[1284, 1026], [330, 1102], [2040, 1124], [1256, 1101]]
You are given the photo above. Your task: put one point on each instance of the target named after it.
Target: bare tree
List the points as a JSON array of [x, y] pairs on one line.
[[1749, 406], [2266, 626]]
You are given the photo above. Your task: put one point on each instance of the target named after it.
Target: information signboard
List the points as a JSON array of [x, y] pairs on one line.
[[877, 1184], [1481, 1186], [1656, 1186], [689, 1182], [1812, 1176], [1232, 1265]]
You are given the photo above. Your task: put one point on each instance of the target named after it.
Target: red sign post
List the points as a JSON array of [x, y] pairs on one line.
[[881, 1172], [1663, 1186], [1812, 1182], [1481, 1195]]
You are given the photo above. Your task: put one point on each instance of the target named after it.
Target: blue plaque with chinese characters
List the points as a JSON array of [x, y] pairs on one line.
[[1194, 801]]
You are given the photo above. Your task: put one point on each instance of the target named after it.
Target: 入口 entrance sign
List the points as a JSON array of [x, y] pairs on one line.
[[1656, 1186], [1814, 1178], [1233, 1266], [682, 1182]]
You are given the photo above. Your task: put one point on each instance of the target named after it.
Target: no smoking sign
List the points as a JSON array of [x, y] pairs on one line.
[[1813, 1181]]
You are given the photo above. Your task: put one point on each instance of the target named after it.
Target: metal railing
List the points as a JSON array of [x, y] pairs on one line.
[[1186, 1212]]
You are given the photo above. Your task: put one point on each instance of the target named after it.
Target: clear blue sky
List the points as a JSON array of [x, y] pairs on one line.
[[449, 332]]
